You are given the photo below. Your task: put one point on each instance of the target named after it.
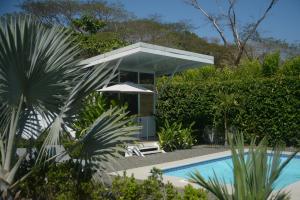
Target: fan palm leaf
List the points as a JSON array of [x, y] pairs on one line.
[[41, 82]]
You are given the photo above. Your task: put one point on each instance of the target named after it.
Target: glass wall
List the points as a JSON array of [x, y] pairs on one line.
[[126, 76], [133, 101], [146, 78], [146, 102]]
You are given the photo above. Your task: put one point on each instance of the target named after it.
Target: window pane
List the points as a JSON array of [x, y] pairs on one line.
[[146, 104], [146, 78], [132, 101], [126, 76]]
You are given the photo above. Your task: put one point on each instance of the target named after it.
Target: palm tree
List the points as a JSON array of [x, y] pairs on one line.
[[254, 175], [225, 102], [41, 80]]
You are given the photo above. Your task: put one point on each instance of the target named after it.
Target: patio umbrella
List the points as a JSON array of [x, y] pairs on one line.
[[126, 87]]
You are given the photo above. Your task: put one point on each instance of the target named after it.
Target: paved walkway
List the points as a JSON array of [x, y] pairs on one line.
[[134, 162]]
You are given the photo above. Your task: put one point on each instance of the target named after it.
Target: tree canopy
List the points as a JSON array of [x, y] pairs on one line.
[[100, 26]]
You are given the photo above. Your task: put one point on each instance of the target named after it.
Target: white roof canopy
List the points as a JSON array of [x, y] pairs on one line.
[[148, 58], [126, 87]]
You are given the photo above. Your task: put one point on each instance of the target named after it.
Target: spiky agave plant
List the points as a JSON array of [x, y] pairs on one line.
[[41, 81], [254, 175]]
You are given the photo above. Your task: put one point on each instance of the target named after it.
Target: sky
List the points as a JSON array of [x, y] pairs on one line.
[[282, 22]]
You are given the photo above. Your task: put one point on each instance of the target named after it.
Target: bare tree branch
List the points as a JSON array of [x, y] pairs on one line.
[[240, 42], [233, 24], [253, 30], [257, 23], [212, 19]]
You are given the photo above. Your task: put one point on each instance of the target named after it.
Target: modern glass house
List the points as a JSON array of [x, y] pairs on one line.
[[139, 65]]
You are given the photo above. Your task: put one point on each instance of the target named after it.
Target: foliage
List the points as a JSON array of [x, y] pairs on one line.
[[47, 84], [64, 12], [65, 180], [127, 188], [225, 103], [267, 106], [271, 64], [88, 24], [27, 87], [94, 105], [254, 176], [291, 67], [191, 193], [68, 181], [121, 28], [249, 69], [174, 136], [98, 43]]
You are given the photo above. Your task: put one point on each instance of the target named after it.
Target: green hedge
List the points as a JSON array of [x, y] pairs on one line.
[[267, 106]]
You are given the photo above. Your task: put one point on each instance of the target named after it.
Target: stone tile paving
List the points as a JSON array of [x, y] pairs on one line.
[[135, 161]]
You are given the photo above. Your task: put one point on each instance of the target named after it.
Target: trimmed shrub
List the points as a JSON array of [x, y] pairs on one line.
[[268, 107], [174, 136]]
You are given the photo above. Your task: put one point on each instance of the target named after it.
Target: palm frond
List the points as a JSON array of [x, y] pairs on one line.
[[106, 139], [94, 79], [36, 62], [106, 134]]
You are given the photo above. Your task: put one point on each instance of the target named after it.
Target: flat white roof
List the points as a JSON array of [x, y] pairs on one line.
[[149, 58]]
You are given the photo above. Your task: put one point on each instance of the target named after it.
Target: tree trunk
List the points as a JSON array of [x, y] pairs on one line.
[[239, 56]]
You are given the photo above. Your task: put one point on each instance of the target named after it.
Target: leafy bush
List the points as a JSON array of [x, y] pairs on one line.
[[60, 181], [191, 193], [271, 64], [127, 188], [174, 136], [291, 67], [269, 106]]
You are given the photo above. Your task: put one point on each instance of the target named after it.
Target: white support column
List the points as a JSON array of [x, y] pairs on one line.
[[119, 80], [139, 97], [154, 94]]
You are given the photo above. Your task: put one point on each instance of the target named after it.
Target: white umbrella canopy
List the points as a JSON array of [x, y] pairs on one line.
[[127, 87]]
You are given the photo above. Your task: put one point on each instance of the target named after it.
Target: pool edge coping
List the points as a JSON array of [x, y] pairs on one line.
[[142, 173]]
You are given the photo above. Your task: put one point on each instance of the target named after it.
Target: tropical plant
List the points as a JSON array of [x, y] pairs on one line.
[[94, 105], [42, 83], [174, 136], [255, 173], [225, 103]]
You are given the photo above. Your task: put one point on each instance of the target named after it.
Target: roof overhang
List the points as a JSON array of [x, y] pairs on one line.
[[148, 58]]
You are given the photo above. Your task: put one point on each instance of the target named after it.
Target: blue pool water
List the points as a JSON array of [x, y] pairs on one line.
[[223, 169]]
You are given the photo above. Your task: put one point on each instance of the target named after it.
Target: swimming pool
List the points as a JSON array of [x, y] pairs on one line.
[[223, 169]]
